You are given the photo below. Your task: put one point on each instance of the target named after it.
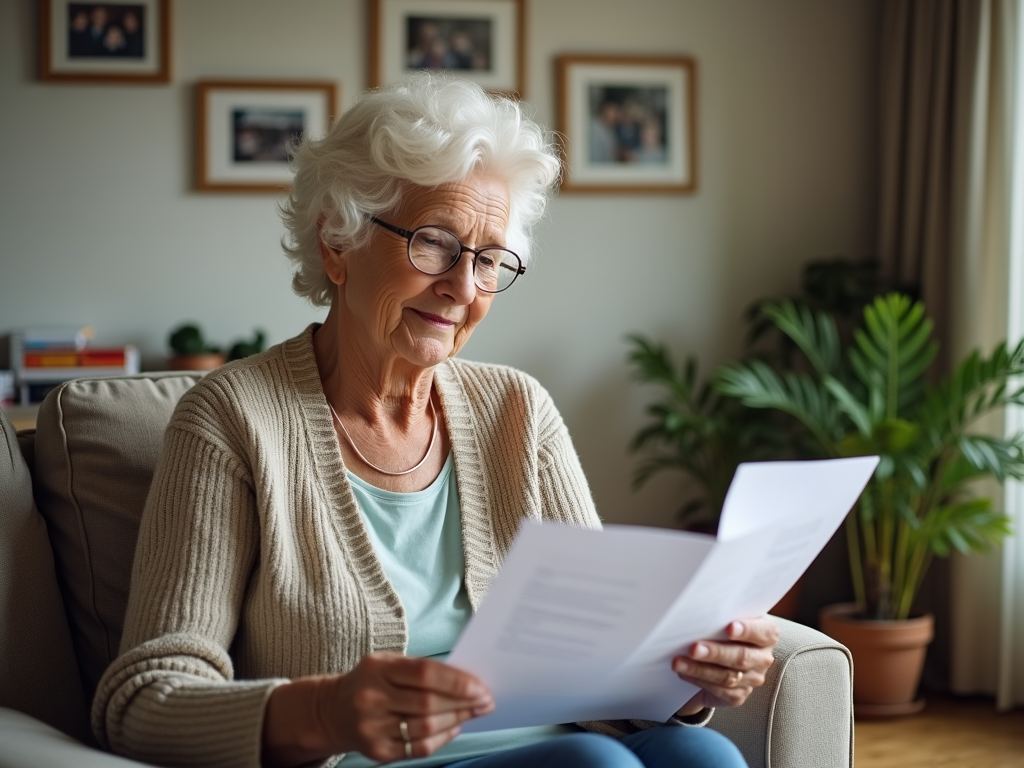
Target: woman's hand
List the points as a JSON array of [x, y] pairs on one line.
[[363, 710], [728, 671]]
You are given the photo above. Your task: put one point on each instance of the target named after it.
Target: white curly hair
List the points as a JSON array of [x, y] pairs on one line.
[[427, 130]]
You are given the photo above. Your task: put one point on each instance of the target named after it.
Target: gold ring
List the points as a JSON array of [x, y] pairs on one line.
[[403, 728]]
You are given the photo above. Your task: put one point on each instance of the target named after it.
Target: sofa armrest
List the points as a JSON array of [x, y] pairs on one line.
[[802, 717], [31, 743]]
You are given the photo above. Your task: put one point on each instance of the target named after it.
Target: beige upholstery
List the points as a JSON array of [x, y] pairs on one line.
[[91, 461], [38, 671], [97, 442], [796, 718]]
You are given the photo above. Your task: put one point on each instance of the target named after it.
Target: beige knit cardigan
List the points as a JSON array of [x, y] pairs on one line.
[[253, 565]]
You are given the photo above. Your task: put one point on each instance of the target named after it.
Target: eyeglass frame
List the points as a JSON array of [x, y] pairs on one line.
[[463, 248]]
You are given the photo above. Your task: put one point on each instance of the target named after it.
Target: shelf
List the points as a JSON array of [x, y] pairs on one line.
[[55, 375], [33, 381]]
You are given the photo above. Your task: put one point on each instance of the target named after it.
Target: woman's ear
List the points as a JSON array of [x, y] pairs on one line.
[[335, 261]]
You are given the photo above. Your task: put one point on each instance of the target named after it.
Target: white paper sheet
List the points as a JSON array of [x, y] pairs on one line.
[[583, 624]]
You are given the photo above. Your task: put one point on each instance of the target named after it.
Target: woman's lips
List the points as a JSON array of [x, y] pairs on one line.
[[436, 320]]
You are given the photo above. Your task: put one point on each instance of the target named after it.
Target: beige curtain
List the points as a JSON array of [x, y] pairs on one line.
[[948, 69], [928, 52], [1010, 678], [983, 654]]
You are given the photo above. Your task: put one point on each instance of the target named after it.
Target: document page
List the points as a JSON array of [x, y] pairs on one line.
[[582, 624]]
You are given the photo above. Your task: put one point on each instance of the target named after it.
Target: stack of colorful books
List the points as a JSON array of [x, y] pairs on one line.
[[42, 358]]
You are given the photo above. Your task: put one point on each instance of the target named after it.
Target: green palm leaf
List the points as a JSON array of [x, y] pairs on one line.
[[814, 333], [967, 526], [757, 385], [892, 352], [994, 456]]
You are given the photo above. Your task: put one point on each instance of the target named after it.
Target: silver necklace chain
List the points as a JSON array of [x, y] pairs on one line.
[[367, 462]]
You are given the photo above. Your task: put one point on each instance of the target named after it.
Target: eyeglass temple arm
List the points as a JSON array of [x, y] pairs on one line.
[[407, 234]]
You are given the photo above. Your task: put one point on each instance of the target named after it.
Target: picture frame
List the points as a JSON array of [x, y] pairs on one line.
[[479, 40], [119, 42], [628, 124], [243, 128]]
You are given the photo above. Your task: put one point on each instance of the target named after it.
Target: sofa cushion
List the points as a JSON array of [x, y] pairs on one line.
[[97, 444], [38, 673]]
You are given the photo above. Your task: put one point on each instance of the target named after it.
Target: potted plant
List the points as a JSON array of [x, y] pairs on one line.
[[191, 350], [697, 431], [870, 395]]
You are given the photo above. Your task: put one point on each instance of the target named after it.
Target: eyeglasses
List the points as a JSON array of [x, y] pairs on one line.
[[433, 251]]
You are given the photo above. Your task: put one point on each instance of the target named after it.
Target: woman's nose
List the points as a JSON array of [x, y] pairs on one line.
[[461, 282]]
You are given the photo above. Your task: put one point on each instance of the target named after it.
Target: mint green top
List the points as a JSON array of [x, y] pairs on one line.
[[418, 539]]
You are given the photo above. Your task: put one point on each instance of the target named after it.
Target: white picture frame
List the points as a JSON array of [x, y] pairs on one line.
[[628, 123], [122, 42], [491, 33], [243, 130]]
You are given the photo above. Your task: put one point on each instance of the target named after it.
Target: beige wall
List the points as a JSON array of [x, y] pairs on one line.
[[99, 226]]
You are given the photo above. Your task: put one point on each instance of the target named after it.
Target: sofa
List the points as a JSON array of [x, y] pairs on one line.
[[71, 493]]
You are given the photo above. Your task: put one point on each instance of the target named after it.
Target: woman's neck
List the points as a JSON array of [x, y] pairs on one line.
[[384, 406], [372, 386]]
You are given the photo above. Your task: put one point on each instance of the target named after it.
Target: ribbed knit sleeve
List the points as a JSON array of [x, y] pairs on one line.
[[172, 698], [565, 493]]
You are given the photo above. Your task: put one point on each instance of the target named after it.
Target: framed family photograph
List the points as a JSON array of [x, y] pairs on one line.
[[628, 124], [480, 40], [245, 129], [117, 42]]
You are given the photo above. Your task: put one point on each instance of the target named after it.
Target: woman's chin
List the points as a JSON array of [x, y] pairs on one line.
[[427, 353]]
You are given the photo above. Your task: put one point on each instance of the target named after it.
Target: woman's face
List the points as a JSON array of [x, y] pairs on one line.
[[396, 309]]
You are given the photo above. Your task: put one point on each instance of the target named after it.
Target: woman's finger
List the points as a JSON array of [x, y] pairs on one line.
[[761, 631], [716, 696], [426, 746], [425, 728], [445, 687], [705, 675], [732, 655]]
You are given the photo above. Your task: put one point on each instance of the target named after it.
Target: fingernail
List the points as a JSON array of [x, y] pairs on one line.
[[476, 690], [737, 628], [483, 709], [699, 651], [681, 667]]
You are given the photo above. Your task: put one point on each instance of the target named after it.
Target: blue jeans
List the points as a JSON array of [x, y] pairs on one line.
[[664, 747]]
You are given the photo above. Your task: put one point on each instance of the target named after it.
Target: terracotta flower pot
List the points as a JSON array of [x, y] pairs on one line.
[[204, 362], [888, 657]]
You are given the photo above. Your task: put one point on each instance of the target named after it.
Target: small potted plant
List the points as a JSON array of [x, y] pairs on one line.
[[869, 395], [192, 352]]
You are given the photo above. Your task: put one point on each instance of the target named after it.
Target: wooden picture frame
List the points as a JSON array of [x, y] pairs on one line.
[[243, 129], [480, 40], [628, 123], [124, 42]]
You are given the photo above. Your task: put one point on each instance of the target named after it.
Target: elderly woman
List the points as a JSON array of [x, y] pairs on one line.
[[327, 515]]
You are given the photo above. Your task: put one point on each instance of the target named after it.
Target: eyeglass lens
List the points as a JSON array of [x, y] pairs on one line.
[[433, 250]]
